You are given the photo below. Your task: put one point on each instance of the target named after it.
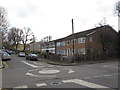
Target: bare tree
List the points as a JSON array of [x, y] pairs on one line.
[[14, 36], [117, 9], [26, 36], [3, 23]]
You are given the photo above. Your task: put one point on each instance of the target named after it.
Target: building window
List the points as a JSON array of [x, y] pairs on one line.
[[81, 51], [90, 39], [63, 52], [53, 52], [68, 42], [49, 45], [74, 41], [53, 45], [75, 51], [81, 40], [58, 52], [58, 43], [49, 51], [63, 43]]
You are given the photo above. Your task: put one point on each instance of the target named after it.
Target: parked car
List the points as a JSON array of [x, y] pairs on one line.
[[8, 51], [6, 56], [21, 54], [31, 57], [12, 52]]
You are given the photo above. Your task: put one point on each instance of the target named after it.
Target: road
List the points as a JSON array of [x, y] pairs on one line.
[[22, 73]]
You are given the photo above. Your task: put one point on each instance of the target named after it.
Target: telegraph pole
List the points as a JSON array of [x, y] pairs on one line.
[[73, 41], [33, 43]]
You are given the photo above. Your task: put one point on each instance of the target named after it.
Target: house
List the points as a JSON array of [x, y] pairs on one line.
[[48, 47], [96, 40], [35, 46], [20, 47]]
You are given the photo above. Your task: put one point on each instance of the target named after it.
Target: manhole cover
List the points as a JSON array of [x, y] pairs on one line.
[[55, 83]]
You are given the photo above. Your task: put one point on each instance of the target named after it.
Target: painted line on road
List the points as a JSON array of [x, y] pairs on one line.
[[84, 83], [70, 70], [41, 84], [106, 75], [5, 65], [34, 66], [30, 74], [111, 66], [24, 86]]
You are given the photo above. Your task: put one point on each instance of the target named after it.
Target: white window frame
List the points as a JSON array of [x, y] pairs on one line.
[[63, 52], [90, 38], [81, 40], [75, 41], [53, 51], [75, 51], [58, 52], [82, 51], [50, 45], [58, 43], [67, 42], [63, 43]]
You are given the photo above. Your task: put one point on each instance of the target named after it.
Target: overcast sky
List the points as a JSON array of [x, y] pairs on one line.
[[53, 17]]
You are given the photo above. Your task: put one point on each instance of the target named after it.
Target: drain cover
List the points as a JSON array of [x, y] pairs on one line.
[[55, 83]]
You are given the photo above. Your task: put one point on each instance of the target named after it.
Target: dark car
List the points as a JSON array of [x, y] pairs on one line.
[[31, 57], [6, 56]]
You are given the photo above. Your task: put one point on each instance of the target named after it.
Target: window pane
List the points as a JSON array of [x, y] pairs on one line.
[[68, 41], [81, 40], [90, 39]]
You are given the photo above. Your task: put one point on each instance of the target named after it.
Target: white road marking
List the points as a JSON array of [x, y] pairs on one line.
[[111, 66], [106, 75], [34, 66], [30, 74], [24, 86], [70, 70], [97, 76], [84, 83], [41, 84], [49, 71]]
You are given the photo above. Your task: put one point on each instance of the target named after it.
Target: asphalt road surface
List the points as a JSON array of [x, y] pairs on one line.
[[22, 73]]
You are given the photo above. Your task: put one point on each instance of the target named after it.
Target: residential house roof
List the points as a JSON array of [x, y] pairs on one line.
[[83, 33]]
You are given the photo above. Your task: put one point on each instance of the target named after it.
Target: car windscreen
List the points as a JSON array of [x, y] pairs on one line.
[[33, 55]]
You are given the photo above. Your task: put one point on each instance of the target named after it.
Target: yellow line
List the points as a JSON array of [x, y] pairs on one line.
[[6, 66]]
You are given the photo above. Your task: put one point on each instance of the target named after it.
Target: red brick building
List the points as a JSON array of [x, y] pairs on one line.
[[96, 40]]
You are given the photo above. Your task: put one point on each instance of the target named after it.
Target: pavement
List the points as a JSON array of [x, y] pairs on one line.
[[75, 63]]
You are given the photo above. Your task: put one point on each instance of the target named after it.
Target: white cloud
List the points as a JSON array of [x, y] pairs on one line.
[[53, 17]]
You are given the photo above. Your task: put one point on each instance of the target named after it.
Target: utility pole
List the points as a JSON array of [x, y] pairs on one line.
[[73, 41], [61, 46], [33, 43]]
